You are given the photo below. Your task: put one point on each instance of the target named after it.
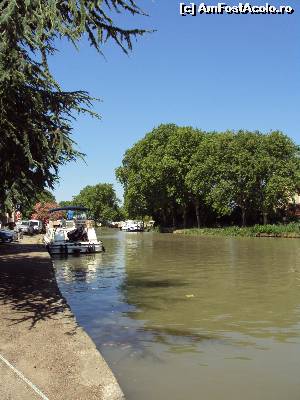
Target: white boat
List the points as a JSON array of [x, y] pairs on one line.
[[76, 235], [132, 226]]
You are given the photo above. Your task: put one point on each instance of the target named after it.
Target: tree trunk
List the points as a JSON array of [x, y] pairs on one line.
[[174, 219], [197, 208], [184, 216], [243, 216], [265, 218], [164, 218]]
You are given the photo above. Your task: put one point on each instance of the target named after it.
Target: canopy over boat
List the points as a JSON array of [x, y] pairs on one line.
[[68, 208]]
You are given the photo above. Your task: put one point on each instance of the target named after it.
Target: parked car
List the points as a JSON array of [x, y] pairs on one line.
[[7, 236], [30, 227], [26, 227], [37, 225]]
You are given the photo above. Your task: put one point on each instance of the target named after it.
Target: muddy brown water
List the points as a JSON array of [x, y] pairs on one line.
[[192, 317]]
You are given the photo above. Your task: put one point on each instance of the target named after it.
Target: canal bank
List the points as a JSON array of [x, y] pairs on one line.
[[180, 317], [44, 353], [291, 230]]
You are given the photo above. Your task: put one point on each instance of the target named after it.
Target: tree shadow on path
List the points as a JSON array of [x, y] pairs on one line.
[[28, 285]]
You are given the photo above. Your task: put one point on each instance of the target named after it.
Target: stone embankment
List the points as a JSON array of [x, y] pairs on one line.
[[43, 352]]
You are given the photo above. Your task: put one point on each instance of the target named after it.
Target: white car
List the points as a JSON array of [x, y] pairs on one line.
[[30, 227], [24, 227]]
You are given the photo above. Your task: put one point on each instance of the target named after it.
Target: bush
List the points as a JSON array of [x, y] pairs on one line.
[[289, 230]]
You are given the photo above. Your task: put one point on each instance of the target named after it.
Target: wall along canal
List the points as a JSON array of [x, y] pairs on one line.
[[191, 317]]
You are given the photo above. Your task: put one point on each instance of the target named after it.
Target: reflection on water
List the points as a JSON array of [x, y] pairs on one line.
[[190, 318], [74, 270]]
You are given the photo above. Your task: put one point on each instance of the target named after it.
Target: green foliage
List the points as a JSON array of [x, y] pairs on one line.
[[45, 197], [28, 205], [180, 172], [101, 200], [35, 113], [66, 203], [39, 22], [289, 230], [153, 171]]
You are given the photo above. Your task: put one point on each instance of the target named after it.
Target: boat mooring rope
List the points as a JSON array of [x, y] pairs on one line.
[[37, 390]]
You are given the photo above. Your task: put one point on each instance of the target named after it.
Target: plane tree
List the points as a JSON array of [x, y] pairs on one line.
[[177, 163], [225, 175], [153, 173], [206, 178], [279, 173], [253, 173], [101, 200], [141, 174]]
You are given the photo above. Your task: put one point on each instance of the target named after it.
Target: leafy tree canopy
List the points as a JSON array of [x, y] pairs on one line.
[[27, 207], [35, 113], [174, 170], [101, 200], [153, 171], [66, 203]]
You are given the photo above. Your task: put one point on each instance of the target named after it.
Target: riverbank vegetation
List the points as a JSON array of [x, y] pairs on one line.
[[186, 177], [291, 230]]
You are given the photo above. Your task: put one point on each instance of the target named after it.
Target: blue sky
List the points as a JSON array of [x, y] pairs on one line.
[[213, 72]]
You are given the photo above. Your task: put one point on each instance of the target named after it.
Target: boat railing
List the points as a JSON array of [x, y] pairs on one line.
[[53, 224], [86, 223]]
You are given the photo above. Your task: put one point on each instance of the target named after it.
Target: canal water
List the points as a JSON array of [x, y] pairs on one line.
[[192, 317]]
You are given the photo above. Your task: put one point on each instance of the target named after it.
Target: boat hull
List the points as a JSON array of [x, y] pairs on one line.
[[75, 248]]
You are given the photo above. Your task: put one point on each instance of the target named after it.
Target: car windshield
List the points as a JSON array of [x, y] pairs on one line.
[[25, 223], [34, 223]]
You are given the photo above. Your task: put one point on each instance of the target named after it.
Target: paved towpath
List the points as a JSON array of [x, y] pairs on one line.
[[44, 354]]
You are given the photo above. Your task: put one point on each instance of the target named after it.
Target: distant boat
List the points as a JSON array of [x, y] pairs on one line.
[[76, 235], [132, 226]]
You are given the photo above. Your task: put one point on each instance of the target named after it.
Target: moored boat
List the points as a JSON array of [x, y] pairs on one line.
[[132, 226], [74, 235]]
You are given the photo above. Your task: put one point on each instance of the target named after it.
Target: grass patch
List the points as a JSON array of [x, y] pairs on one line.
[[291, 230]]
